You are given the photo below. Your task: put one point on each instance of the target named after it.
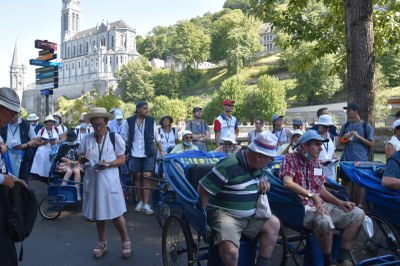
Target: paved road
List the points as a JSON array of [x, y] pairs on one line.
[[69, 240]]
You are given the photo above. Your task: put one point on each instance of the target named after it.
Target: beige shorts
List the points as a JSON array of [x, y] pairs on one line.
[[337, 218], [227, 227]]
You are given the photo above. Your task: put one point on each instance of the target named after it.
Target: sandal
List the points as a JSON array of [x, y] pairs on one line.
[[126, 249], [100, 250]]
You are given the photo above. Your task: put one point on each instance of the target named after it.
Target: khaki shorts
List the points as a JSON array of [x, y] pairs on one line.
[[227, 227], [337, 218]]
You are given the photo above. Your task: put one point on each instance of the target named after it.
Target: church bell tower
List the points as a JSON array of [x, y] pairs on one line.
[[17, 73], [70, 20]]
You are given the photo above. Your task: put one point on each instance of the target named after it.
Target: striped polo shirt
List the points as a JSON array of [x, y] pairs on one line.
[[232, 186]]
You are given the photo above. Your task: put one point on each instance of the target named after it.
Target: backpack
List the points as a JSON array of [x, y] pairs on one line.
[[42, 131], [159, 130], [20, 211], [112, 139]]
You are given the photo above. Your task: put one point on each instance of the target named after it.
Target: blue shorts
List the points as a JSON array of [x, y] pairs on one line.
[[141, 165]]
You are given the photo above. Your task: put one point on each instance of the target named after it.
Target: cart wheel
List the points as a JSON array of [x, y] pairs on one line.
[[384, 241], [50, 208], [164, 211], [177, 243]]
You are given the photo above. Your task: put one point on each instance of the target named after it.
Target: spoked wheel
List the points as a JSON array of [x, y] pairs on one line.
[[384, 241], [176, 243], [50, 208], [281, 249], [164, 211]]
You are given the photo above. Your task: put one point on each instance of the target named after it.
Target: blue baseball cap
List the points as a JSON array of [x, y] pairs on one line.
[[311, 135], [274, 117]]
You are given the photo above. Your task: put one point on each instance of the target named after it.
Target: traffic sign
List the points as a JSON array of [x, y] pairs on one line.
[[43, 63], [45, 45], [47, 86], [46, 92], [47, 57]]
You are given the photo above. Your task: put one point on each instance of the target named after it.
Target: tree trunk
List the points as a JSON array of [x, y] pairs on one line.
[[360, 57]]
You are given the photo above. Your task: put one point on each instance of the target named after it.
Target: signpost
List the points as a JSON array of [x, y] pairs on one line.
[[47, 75]]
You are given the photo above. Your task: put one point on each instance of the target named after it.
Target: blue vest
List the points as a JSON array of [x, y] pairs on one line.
[[148, 134]]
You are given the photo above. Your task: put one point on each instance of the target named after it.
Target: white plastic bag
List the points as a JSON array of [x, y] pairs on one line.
[[368, 226], [263, 211]]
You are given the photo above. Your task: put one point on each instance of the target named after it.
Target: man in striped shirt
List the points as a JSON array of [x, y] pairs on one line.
[[230, 192]]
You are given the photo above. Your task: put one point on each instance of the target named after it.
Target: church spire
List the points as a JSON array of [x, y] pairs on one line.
[[15, 59]]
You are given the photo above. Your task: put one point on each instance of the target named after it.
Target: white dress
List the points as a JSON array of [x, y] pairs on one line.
[[103, 198], [41, 163]]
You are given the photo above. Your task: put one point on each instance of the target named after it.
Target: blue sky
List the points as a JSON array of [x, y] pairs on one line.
[[28, 20]]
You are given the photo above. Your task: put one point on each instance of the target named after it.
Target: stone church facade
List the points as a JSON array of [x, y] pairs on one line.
[[90, 57]]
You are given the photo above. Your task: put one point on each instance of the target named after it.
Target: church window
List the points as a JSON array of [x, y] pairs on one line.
[[94, 43], [68, 52], [116, 59], [87, 47], [65, 22], [79, 64], [76, 22], [103, 41], [112, 42], [85, 63], [110, 60], [120, 59], [73, 21], [80, 49], [74, 54]]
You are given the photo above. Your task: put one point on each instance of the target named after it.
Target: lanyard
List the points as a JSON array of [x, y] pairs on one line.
[[15, 131], [50, 134], [326, 146], [279, 137], [166, 135], [102, 147], [228, 124], [200, 130], [140, 127]]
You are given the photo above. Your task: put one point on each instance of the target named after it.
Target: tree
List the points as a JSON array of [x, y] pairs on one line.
[[266, 100], [162, 105], [237, 4], [108, 100], [166, 82], [235, 38], [190, 44], [135, 80], [234, 89], [156, 44], [390, 63]]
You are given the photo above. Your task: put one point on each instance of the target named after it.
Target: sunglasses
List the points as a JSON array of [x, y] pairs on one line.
[[188, 137], [230, 105]]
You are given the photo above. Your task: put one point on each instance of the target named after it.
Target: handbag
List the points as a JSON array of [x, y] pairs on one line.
[[263, 211]]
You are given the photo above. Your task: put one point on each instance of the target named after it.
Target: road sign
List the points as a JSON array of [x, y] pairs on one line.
[[45, 45], [47, 86], [47, 57], [46, 92], [43, 63], [46, 80]]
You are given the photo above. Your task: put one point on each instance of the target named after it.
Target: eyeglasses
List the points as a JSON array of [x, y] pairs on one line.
[[230, 105], [188, 137], [99, 126]]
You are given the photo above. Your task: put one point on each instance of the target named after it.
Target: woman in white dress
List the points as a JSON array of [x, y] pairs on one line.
[[46, 138], [103, 198]]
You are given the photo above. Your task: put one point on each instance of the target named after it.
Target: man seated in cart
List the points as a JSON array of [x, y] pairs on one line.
[[391, 176], [230, 192], [302, 173]]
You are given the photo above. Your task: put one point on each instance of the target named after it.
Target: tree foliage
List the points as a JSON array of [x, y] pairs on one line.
[[190, 44], [243, 5], [235, 38], [167, 82], [382, 109], [156, 44], [390, 63], [162, 105], [135, 80], [267, 99]]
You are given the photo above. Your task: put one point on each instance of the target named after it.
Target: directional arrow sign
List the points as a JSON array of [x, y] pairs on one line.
[[45, 75], [47, 57], [46, 80], [47, 86], [45, 45], [46, 92], [43, 63], [46, 69]]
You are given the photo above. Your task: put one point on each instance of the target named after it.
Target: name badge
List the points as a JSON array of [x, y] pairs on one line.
[[317, 171]]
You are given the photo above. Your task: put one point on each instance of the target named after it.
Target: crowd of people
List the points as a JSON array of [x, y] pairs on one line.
[[104, 141]]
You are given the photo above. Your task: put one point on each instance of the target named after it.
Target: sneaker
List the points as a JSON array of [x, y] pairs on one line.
[[147, 209], [139, 206]]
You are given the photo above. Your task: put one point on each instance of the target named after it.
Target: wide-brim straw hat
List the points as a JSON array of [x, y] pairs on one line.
[[97, 112]]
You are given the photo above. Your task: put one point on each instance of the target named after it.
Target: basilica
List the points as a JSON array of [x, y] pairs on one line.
[[90, 58]]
